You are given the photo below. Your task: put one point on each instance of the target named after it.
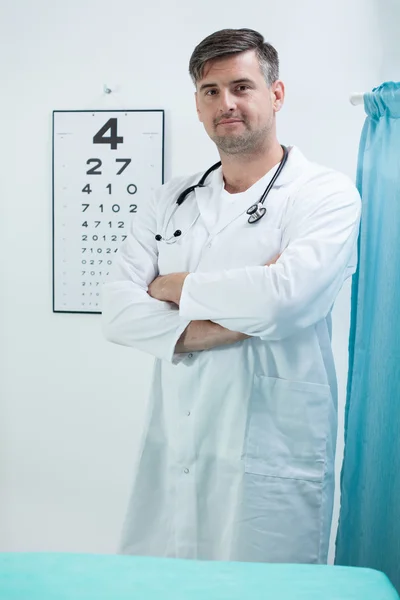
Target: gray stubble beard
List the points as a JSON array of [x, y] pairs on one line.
[[248, 143]]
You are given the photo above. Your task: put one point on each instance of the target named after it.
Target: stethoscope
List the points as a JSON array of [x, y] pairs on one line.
[[255, 212]]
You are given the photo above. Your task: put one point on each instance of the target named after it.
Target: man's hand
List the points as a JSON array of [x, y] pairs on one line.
[[205, 335], [273, 261], [168, 288]]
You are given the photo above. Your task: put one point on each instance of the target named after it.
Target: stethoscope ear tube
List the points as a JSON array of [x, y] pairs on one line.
[[189, 190], [275, 177], [257, 211], [185, 193]]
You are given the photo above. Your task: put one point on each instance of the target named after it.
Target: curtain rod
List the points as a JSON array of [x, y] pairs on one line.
[[356, 98]]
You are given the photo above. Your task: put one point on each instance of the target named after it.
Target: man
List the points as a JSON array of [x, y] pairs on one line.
[[237, 459]]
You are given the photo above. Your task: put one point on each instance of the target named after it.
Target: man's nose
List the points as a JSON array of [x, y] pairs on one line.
[[227, 102]]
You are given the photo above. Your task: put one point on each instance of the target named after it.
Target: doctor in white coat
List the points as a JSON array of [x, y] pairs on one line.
[[237, 456]]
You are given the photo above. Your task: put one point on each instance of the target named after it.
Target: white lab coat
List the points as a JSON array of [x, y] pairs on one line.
[[237, 457]]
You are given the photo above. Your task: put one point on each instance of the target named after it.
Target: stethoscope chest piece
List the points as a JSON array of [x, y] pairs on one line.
[[256, 212]]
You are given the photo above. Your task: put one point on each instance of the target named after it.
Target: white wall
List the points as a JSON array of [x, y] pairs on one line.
[[71, 404]]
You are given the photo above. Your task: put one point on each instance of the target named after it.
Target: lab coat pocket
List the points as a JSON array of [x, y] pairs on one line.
[[287, 429]]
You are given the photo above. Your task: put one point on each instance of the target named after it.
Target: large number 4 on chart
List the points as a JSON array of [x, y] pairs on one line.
[[113, 138]]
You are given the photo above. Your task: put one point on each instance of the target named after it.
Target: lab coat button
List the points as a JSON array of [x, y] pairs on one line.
[[190, 355], [188, 413], [186, 471]]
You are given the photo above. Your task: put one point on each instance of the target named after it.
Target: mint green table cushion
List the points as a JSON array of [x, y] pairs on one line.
[[101, 577]]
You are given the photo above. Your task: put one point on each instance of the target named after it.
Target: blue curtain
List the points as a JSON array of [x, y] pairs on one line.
[[369, 524]]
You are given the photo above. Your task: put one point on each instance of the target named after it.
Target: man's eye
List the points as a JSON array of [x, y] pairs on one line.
[[211, 92], [243, 88]]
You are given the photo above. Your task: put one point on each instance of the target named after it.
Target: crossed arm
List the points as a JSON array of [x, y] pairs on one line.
[[198, 335], [182, 312]]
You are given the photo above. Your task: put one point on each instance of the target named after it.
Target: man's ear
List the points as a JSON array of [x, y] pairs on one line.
[[278, 97]]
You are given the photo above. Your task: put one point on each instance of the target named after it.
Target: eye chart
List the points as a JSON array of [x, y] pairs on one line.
[[106, 163]]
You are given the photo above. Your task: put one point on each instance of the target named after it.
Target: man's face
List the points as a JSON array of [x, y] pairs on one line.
[[235, 105]]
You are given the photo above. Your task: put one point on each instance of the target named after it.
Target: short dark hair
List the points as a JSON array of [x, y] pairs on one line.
[[227, 42]]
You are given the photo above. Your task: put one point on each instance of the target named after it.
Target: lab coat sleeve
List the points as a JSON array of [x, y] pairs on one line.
[[130, 316], [318, 254]]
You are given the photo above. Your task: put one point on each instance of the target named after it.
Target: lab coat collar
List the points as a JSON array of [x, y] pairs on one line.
[[211, 192]]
